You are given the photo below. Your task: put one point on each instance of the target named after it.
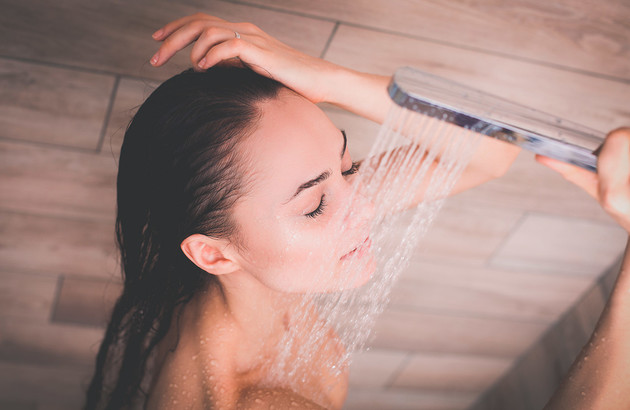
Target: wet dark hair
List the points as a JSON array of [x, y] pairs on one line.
[[179, 174]]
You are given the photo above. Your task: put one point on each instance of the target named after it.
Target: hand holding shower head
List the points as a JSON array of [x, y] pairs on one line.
[[496, 117]]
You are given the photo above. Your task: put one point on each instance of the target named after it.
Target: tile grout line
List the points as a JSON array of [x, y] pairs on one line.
[[392, 378], [563, 317], [461, 315], [73, 218], [78, 68], [108, 114], [438, 41], [330, 39], [48, 145], [489, 262], [55, 302]]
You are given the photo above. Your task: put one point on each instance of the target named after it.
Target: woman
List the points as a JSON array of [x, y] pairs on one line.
[[230, 185]]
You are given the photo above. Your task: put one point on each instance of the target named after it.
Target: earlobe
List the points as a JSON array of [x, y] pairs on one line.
[[208, 254]]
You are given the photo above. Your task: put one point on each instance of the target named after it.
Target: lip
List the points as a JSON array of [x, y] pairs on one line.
[[359, 250]]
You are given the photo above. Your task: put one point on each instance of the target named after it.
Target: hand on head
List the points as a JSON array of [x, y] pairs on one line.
[[219, 41], [610, 186]]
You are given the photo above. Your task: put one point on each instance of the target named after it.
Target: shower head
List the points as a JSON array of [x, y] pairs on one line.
[[495, 117]]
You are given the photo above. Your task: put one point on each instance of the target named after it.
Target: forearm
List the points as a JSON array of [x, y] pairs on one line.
[[600, 375], [360, 93]]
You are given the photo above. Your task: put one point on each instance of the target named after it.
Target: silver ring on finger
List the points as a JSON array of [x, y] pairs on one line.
[[236, 35]]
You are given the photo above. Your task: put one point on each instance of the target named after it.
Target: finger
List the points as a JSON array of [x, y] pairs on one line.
[[209, 38], [584, 179], [175, 25], [613, 167], [178, 40], [230, 49]]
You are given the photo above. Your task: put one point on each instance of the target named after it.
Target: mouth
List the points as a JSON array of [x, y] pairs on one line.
[[360, 250]]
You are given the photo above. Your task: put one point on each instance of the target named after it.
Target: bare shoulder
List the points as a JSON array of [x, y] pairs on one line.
[[256, 398]]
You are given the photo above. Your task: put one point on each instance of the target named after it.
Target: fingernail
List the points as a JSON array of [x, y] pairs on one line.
[[155, 58], [158, 33], [202, 63]]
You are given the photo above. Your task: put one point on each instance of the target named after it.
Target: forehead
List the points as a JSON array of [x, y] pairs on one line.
[[293, 142]]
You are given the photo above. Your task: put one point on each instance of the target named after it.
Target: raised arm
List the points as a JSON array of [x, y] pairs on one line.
[[217, 41], [600, 374]]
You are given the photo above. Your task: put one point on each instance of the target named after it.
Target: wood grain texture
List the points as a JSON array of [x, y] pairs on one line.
[[472, 291], [52, 105], [85, 301], [48, 181], [584, 35], [594, 102], [56, 246], [115, 36], [569, 246], [48, 344], [26, 296], [435, 333], [58, 387], [129, 96], [375, 368], [404, 399], [450, 372]]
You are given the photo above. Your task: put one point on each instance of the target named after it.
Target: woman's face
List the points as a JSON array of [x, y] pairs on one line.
[[296, 236]]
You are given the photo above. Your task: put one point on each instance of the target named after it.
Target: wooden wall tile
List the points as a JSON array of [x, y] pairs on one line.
[[130, 94], [18, 405], [450, 372], [529, 186], [48, 344], [474, 232], [375, 367], [58, 385], [56, 182], [567, 33], [595, 102], [403, 399], [115, 36], [56, 246], [86, 301], [26, 295], [52, 105], [486, 292], [434, 333], [563, 245]]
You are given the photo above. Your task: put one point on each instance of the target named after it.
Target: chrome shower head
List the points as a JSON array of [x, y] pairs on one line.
[[495, 117]]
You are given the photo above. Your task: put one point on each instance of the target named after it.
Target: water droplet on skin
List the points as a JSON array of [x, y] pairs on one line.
[[174, 401], [258, 401], [294, 404], [585, 358], [583, 393]]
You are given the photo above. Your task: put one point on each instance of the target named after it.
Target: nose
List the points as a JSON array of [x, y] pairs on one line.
[[361, 212]]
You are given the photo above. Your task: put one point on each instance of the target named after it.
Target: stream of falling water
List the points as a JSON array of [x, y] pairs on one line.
[[414, 157]]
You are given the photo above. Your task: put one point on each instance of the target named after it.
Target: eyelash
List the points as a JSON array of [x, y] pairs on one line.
[[322, 203], [319, 210], [353, 169]]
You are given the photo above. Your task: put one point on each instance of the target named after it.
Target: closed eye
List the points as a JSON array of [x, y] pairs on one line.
[[353, 169], [319, 210]]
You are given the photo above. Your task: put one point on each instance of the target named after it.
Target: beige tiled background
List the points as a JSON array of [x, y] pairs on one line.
[[510, 276]]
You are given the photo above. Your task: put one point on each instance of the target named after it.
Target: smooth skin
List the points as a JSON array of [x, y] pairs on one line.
[[225, 340], [600, 376]]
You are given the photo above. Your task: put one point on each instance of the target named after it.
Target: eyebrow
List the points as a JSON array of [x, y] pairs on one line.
[[324, 175]]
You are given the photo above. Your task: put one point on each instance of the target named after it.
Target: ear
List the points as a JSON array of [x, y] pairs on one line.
[[209, 254]]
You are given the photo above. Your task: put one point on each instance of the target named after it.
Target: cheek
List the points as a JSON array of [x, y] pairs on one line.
[[290, 256]]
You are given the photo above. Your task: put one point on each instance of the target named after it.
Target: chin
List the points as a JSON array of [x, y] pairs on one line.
[[357, 271]]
